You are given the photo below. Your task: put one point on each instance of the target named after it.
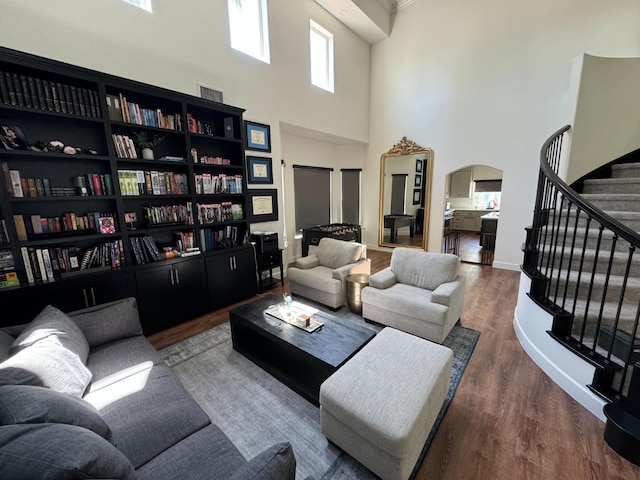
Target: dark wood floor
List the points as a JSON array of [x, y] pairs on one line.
[[508, 420]]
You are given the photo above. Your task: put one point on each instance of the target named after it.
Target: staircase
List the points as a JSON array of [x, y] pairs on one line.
[[582, 254]]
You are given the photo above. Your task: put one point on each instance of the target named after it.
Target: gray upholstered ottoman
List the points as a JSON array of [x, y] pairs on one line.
[[379, 407]]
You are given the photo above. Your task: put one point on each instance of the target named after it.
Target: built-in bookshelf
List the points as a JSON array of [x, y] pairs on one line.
[[105, 178]]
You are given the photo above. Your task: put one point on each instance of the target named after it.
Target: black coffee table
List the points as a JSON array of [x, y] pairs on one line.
[[299, 359]]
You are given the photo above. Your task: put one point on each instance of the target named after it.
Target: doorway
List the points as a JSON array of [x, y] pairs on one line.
[[472, 211]]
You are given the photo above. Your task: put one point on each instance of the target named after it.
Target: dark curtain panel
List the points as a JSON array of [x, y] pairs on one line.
[[312, 189], [351, 196]]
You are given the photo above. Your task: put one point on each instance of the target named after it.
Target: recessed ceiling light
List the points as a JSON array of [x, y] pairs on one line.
[[343, 12]]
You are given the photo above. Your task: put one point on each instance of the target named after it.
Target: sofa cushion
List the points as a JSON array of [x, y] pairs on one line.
[[109, 321], [275, 463], [148, 412], [28, 404], [205, 454], [334, 253], [47, 363], [423, 269], [319, 278], [63, 451], [52, 324], [6, 341]]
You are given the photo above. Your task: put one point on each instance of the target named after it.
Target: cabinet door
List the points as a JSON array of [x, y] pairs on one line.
[[169, 294], [231, 276], [460, 184]]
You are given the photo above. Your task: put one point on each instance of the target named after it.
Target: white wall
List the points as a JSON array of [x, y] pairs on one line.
[[606, 106], [183, 43], [486, 83]]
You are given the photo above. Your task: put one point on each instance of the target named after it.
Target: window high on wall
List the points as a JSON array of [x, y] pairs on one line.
[[321, 53], [144, 4], [248, 26]]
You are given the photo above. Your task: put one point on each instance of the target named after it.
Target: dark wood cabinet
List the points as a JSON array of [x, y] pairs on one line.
[[170, 293], [74, 178], [267, 261], [231, 276]]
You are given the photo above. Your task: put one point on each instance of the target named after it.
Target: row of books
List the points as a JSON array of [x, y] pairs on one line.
[[145, 249], [196, 126], [130, 112], [207, 160], [53, 263], [4, 234], [28, 91], [152, 182], [93, 184], [207, 183], [124, 145], [168, 214], [29, 226], [211, 239], [8, 275], [184, 241], [219, 212]]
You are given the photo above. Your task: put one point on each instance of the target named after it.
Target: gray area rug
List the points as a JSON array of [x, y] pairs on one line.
[[255, 410]]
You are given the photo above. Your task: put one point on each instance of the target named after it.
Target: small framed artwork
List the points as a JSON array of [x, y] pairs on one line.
[[257, 136], [263, 205], [260, 170], [418, 181], [418, 166], [417, 193]]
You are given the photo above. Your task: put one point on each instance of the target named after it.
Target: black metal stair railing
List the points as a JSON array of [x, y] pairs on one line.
[[584, 270]]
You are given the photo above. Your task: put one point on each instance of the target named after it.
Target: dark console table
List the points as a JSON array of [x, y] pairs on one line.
[[340, 231], [394, 222]]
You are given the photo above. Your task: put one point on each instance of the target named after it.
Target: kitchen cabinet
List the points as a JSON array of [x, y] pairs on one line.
[[171, 293], [460, 183], [468, 220], [232, 276]]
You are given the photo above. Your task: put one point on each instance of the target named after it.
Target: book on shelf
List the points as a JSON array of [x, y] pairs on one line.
[[27, 264], [4, 234], [158, 215], [9, 278]]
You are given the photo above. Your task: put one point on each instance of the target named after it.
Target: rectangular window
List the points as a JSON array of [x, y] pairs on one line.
[[321, 53], [312, 190], [351, 195], [144, 4], [248, 26]]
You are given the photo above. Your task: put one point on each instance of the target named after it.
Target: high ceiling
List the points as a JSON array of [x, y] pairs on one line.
[[370, 19]]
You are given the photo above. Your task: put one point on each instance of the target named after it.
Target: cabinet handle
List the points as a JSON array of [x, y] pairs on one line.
[[93, 296], [171, 275], [235, 263], [86, 299], [230, 263], [177, 277]]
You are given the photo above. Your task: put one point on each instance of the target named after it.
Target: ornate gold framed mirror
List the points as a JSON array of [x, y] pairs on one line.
[[405, 195]]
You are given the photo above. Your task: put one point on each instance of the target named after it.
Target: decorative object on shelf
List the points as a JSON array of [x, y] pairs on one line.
[[131, 220], [257, 136], [12, 138], [146, 144], [417, 196], [260, 170], [262, 205], [228, 128], [418, 166]]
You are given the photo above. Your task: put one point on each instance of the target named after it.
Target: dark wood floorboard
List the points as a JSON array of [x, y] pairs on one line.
[[508, 420]]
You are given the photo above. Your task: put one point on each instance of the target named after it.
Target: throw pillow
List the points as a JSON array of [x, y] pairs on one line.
[[47, 363], [48, 451], [109, 321], [49, 324], [28, 404], [334, 253], [275, 463]]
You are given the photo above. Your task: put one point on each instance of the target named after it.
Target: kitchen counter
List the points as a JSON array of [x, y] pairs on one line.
[[490, 216]]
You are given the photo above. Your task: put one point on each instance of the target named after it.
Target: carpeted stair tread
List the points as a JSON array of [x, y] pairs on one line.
[[625, 185], [629, 170]]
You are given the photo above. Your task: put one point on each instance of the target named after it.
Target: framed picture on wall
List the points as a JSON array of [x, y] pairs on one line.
[[257, 136], [263, 205], [417, 193], [418, 166], [418, 181], [260, 170]]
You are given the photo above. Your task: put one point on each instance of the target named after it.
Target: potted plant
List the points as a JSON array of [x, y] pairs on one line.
[[146, 143]]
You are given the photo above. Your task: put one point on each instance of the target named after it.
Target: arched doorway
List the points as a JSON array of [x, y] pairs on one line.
[[472, 211]]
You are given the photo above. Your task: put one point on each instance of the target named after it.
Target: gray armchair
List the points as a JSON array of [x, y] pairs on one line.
[[321, 276], [419, 293]]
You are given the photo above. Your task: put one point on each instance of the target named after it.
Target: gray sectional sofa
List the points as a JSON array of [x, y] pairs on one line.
[[85, 395]]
